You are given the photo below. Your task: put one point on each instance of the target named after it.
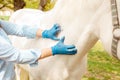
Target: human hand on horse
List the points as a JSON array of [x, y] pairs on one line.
[[61, 48], [52, 33]]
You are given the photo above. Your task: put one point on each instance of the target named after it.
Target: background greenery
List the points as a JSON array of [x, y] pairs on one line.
[[32, 3], [4, 17], [35, 4], [29, 4], [101, 66]]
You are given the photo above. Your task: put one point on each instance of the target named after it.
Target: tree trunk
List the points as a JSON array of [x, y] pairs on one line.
[[42, 4], [19, 4]]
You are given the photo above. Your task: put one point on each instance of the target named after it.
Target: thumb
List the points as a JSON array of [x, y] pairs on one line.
[[62, 39], [55, 38], [56, 26]]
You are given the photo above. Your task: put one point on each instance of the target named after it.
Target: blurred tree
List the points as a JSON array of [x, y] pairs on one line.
[[6, 3], [18, 4], [32, 4], [12, 4], [42, 4], [49, 5]]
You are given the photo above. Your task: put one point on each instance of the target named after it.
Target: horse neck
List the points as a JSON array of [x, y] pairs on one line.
[[78, 11], [77, 4]]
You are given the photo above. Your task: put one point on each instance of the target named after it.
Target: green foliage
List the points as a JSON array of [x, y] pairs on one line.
[[101, 66], [29, 4], [50, 4], [7, 3], [4, 17], [35, 4], [32, 3]]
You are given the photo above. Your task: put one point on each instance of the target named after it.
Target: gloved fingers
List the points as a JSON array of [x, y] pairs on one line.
[[56, 32], [62, 39], [56, 26], [72, 51], [55, 38], [70, 46], [58, 29]]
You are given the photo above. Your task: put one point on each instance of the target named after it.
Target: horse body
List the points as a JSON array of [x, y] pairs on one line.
[[83, 22]]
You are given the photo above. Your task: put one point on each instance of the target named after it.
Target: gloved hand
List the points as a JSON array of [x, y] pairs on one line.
[[60, 48], [52, 33]]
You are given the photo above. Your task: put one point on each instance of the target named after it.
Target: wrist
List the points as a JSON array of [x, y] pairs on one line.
[[46, 53], [39, 33]]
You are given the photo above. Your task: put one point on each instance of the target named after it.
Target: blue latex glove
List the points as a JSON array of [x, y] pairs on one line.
[[52, 33], [60, 48]]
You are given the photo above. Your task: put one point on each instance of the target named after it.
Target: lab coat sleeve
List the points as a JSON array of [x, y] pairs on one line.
[[18, 30], [12, 54]]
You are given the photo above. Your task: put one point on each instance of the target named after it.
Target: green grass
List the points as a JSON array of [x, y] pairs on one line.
[[4, 17], [101, 66]]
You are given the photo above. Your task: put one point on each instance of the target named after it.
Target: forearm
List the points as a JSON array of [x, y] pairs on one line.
[[45, 53], [18, 30], [58, 49], [12, 54]]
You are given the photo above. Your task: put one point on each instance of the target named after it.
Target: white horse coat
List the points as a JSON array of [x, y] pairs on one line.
[[83, 22]]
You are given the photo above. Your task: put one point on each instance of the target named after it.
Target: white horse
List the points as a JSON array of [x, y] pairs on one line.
[[83, 22]]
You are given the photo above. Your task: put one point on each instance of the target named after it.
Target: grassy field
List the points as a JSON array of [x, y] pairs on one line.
[[101, 66], [4, 17]]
